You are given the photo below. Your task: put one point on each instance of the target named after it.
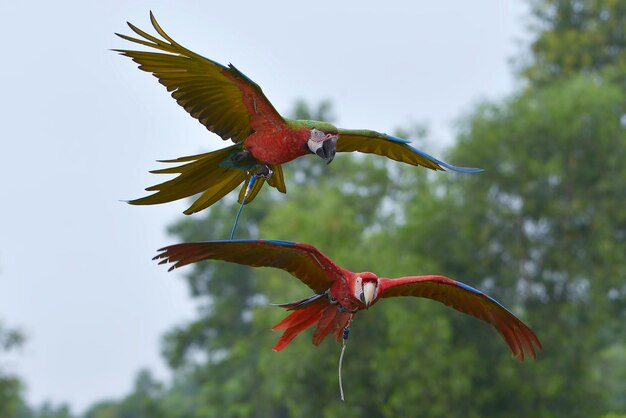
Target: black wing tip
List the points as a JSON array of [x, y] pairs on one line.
[[164, 257], [162, 253]]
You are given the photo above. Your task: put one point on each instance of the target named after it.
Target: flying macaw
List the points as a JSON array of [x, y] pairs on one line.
[[340, 293], [231, 105]]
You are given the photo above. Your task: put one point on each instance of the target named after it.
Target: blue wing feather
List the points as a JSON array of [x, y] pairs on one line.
[[444, 164]]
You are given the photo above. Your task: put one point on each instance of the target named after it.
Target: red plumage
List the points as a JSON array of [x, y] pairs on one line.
[[278, 146]]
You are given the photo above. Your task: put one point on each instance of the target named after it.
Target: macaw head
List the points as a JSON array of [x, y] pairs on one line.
[[322, 139], [323, 144], [365, 288]]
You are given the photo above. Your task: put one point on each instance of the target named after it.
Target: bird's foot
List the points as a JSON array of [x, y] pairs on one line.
[[263, 171]]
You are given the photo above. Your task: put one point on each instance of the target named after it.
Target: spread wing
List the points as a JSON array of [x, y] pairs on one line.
[[466, 299], [398, 149], [303, 261], [222, 98]]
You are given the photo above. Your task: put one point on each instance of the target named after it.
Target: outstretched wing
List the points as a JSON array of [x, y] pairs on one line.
[[468, 300], [372, 142], [222, 98], [303, 261]]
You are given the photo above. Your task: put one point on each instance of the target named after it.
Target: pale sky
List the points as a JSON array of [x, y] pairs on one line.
[[81, 126]]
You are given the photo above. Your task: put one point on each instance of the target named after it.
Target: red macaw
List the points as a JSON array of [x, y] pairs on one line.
[[340, 293], [231, 105]]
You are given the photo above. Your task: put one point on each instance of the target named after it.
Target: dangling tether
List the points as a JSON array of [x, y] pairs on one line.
[[344, 340], [243, 201]]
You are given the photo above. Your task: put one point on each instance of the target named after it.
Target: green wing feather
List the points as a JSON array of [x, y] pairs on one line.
[[222, 98], [398, 149], [256, 188], [278, 179]]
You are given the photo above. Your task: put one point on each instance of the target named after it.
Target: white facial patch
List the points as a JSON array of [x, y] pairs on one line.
[[316, 140], [358, 287]]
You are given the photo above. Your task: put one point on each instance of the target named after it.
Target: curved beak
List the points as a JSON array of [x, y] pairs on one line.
[[327, 150], [369, 291]]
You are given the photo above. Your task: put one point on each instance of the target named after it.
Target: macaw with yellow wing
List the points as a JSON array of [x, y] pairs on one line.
[[340, 293], [231, 105]]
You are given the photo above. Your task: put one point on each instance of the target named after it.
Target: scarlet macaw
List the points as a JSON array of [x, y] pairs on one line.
[[231, 105], [340, 293]]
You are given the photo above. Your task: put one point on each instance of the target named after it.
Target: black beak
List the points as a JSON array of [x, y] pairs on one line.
[[327, 150]]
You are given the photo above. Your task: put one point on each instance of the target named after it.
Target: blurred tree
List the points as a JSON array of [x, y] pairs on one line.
[[544, 230], [143, 402], [46, 410], [574, 36], [10, 385]]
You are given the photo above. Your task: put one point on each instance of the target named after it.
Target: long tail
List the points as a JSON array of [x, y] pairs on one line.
[[213, 174], [328, 317]]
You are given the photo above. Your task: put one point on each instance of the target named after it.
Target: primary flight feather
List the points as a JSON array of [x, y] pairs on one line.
[[231, 105]]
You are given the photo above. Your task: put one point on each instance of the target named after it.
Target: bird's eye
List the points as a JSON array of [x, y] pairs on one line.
[[332, 299]]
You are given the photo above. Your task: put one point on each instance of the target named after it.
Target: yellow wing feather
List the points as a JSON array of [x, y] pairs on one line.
[[222, 98]]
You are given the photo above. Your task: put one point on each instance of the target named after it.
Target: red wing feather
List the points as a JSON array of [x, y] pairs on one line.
[[519, 337], [303, 261]]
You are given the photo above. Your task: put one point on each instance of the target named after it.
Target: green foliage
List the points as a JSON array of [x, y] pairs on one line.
[[10, 385], [10, 338], [143, 402], [609, 375], [46, 410], [576, 36], [544, 231]]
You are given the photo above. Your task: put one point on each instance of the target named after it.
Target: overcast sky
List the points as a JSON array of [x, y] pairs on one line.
[[80, 127]]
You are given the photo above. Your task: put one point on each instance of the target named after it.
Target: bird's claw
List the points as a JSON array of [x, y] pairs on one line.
[[263, 171]]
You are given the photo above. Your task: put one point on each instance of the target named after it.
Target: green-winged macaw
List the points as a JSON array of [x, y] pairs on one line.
[[231, 105], [340, 293]]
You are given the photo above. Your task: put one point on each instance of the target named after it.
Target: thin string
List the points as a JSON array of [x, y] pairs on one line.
[[344, 340], [243, 201]]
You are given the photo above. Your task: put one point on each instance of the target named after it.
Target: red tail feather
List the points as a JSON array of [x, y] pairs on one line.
[[326, 324], [297, 322]]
